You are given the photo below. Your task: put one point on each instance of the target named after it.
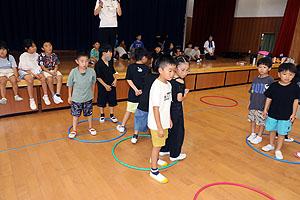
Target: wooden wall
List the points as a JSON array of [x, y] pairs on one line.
[[246, 32], [295, 48], [188, 33]]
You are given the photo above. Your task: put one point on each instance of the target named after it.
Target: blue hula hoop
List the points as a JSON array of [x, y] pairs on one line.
[[286, 161], [132, 167], [100, 141]]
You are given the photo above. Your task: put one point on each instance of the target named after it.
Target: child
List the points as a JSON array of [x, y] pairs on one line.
[[135, 74], [159, 119], [188, 49], [81, 86], [106, 82], [94, 55], [176, 133], [155, 55], [29, 70], [8, 71], [171, 50], [137, 43], [178, 51], [121, 49], [195, 54], [281, 105], [257, 99], [209, 48], [49, 63]]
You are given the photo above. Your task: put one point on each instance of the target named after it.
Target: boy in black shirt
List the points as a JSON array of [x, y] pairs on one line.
[[134, 76], [106, 82], [281, 105]]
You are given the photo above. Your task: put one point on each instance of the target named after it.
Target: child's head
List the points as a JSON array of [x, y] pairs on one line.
[[139, 37], [286, 72], [171, 46], [122, 42], [47, 47], [141, 54], [189, 45], [105, 52], [196, 47], [182, 66], [178, 48], [166, 67], [29, 46], [264, 66], [82, 58], [4, 51], [157, 48], [96, 45], [210, 37]]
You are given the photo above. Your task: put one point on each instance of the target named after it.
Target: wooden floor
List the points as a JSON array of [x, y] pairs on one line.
[[37, 161]]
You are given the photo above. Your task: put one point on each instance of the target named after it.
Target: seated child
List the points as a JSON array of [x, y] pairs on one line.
[[178, 51], [171, 50], [195, 54], [188, 49], [94, 56], [209, 48], [121, 49]]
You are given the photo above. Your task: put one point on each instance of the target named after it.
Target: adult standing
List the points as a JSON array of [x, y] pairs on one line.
[[209, 48], [107, 11]]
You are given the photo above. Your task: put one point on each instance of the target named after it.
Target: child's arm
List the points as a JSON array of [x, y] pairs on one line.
[[115, 81], [16, 73], [181, 97], [267, 105], [137, 91], [70, 89], [46, 70], [160, 130], [55, 70], [96, 12], [93, 88], [35, 75], [107, 87], [119, 10], [295, 106]]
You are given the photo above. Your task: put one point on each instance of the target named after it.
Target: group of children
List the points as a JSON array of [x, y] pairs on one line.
[[274, 105], [43, 67]]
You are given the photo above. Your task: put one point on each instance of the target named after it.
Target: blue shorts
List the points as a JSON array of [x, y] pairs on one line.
[[141, 121], [283, 127]]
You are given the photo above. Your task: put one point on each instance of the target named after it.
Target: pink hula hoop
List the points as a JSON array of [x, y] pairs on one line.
[[235, 101], [235, 184]]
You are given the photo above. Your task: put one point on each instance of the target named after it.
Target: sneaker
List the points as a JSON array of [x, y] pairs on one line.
[[198, 61], [92, 131], [46, 100], [164, 153], [159, 177], [269, 147], [32, 104], [289, 140], [180, 157], [3, 101], [18, 98], [161, 162], [72, 134], [256, 140], [278, 154], [134, 138], [252, 136], [113, 119], [59, 98], [297, 154], [120, 128], [55, 99], [102, 120]]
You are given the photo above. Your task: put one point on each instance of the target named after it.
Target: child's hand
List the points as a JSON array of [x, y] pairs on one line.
[[37, 76], [171, 124], [108, 88], [186, 91], [160, 133], [138, 92], [264, 114], [54, 73], [114, 83], [101, 3], [18, 79], [70, 100], [292, 118]]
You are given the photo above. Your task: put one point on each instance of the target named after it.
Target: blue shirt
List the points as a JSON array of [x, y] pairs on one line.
[[7, 64], [137, 44]]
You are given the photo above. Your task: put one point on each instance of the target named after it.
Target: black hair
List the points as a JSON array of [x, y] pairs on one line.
[[181, 59], [197, 45], [178, 47], [157, 45], [138, 35], [187, 44], [165, 60], [82, 53], [210, 35], [139, 53], [27, 43], [287, 67], [46, 41], [265, 61], [3, 45], [104, 48]]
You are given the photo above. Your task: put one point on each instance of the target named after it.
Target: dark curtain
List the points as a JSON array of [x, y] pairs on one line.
[[71, 24], [213, 17], [285, 38]]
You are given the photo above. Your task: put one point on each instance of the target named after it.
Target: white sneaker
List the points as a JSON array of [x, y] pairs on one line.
[[18, 98], [134, 140], [289, 140], [3, 101], [198, 61], [278, 154], [180, 157], [32, 104], [159, 177], [256, 140], [46, 100], [113, 119], [93, 131], [102, 120], [59, 98], [164, 153], [252, 136], [55, 99], [269, 147], [161, 162], [120, 128]]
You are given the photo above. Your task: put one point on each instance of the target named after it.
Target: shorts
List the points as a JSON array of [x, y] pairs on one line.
[[23, 73], [7, 72], [105, 97], [46, 74], [131, 107], [159, 141], [86, 107], [256, 116], [283, 127], [297, 116], [141, 121]]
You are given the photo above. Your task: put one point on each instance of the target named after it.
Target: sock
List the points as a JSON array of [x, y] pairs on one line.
[[102, 114], [135, 136], [286, 137], [57, 94], [154, 171], [111, 115]]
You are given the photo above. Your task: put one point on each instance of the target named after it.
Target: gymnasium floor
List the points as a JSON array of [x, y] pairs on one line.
[[38, 161]]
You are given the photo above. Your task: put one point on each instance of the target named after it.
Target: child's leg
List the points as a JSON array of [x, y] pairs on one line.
[[90, 120], [154, 157], [44, 84], [261, 130], [252, 126], [126, 118], [75, 123], [59, 83], [272, 137], [3, 82], [14, 83], [280, 142], [29, 80], [111, 109], [102, 110], [50, 84]]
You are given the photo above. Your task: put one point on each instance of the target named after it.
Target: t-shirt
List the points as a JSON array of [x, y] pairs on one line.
[[144, 98], [105, 72], [160, 96], [48, 61], [194, 52], [210, 49], [155, 56], [94, 53], [30, 62], [257, 97], [187, 51], [283, 97], [177, 88], [136, 73], [82, 84], [7, 64], [137, 44], [108, 13], [121, 51]]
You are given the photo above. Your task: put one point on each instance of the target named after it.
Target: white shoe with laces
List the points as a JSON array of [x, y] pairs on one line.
[[18, 98], [159, 177], [32, 104], [278, 154], [268, 147], [46, 100], [180, 157], [252, 136], [256, 140], [120, 128]]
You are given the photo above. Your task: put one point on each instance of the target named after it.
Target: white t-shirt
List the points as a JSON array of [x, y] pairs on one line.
[[206, 44], [161, 96], [121, 51], [108, 13], [194, 52], [29, 62]]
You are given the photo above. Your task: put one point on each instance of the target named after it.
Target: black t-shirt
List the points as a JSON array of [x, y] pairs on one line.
[[177, 88], [136, 73], [283, 97], [105, 72], [144, 98]]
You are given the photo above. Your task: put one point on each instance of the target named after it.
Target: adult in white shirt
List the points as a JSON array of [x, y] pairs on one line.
[[107, 11], [209, 49]]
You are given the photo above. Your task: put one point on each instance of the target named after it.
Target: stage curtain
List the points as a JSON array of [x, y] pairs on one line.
[[284, 40], [213, 17]]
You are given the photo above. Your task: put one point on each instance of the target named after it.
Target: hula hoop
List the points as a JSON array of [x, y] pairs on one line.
[[286, 161], [100, 141], [132, 167], [234, 184], [235, 101]]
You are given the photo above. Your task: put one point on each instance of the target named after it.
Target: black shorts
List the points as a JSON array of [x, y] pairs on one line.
[[108, 36], [87, 107], [105, 97]]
